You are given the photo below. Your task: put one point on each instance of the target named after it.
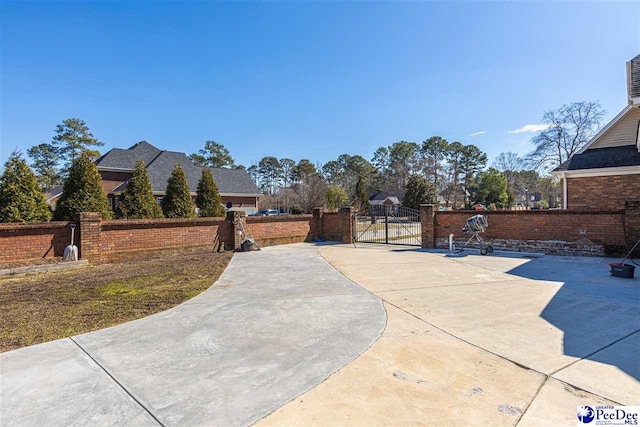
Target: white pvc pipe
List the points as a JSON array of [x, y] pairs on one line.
[[452, 246]]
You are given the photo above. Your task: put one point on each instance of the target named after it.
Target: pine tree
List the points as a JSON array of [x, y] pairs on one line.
[[21, 198], [45, 163], [73, 138], [137, 200], [177, 202], [418, 191], [208, 199], [362, 201], [82, 191]]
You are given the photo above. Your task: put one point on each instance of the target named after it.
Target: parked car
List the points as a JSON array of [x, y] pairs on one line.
[[265, 212]]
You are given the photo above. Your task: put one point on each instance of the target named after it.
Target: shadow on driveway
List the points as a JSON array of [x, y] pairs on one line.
[[595, 311]]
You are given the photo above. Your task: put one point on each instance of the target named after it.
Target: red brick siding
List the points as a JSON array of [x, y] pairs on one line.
[[21, 242], [632, 225], [110, 180], [602, 192]]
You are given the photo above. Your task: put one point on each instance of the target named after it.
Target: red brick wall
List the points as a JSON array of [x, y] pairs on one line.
[[602, 192], [20, 242], [565, 232], [120, 239], [105, 241], [279, 230]]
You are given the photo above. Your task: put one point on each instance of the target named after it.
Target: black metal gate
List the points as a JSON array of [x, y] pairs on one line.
[[391, 225]]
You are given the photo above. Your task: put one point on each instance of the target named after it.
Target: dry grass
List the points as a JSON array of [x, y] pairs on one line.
[[48, 306]]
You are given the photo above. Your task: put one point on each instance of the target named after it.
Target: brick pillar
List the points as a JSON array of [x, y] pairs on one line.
[[427, 220], [315, 228], [346, 228], [234, 217], [632, 225], [89, 234]]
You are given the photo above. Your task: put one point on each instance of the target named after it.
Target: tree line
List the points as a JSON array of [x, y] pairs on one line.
[[453, 174], [436, 170], [70, 160], [22, 199]]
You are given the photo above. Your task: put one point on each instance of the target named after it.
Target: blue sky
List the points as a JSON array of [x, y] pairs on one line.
[[306, 79]]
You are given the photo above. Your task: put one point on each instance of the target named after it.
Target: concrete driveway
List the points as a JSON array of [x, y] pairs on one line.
[[277, 323], [465, 340], [472, 340]]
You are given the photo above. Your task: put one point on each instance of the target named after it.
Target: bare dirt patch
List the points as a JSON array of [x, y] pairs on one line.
[[48, 306]]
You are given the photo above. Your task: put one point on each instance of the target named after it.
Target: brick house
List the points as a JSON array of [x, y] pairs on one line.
[[605, 173], [115, 168], [384, 201]]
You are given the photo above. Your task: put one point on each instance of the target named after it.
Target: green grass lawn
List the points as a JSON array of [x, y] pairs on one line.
[[48, 306]]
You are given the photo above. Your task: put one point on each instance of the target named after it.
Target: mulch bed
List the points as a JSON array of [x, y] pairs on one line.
[[48, 306]]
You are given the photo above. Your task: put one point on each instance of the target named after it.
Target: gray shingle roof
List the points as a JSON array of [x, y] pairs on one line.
[[54, 192], [119, 158], [229, 181], [610, 157], [381, 195]]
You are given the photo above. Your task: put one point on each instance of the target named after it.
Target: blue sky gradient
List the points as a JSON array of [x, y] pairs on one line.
[[306, 79]]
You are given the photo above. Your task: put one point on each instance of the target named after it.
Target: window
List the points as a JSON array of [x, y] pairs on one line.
[[113, 203]]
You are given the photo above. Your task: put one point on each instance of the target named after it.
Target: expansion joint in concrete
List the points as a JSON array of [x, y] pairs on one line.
[[118, 383], [595, 352], [517, 363], [546, 378]]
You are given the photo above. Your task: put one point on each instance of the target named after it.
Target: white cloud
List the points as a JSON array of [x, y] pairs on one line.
[[478, 133], [529, 128]]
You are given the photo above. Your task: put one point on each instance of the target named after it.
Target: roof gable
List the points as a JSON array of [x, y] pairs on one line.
[[382, 195], [621, 130], [125, 159]]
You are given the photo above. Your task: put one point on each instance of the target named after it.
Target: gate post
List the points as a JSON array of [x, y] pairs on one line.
[[346, 229], [386, 226], [427, 223], [316, 228]]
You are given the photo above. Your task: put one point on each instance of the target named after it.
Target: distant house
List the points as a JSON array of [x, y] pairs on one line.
[[605, 173], [115, 168], [384, 201]]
